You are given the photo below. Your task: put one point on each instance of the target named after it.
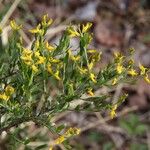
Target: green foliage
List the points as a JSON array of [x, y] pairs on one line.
[[135, 146], [108, 146], [95, 136], [133, 125], [28, 77]]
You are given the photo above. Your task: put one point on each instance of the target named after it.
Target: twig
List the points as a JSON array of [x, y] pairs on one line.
[[117, 93], [4, 35], [14, 123], [53, 31], [9, 13], [24, 36], [92, 125], [59, 116], [110, 130]]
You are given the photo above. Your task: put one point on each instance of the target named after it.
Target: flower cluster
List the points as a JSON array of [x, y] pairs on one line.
[[7, 93], [113, 111], [32, 59], [125, 68], [144, 73], [69, 133], [14, 26], [55, 61]]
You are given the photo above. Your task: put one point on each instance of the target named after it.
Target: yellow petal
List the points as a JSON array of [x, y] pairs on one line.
[[142, 69], [114, 81], [34, 68], [49, 47], [56, 75], [73, 32], [119, 69], [132, 72], [14, 26], [46, 21], [146, 78], [4, 97], [86, 27], [93, 78], [90, 92], [60, 140], [113, 111]]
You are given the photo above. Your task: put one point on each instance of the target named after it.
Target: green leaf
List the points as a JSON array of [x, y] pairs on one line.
[[125, 125], [141, 129], [108, 146], [41, 147], [60, 128]]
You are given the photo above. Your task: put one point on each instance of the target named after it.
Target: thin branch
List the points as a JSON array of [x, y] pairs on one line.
[[9, 13], [92, 125]]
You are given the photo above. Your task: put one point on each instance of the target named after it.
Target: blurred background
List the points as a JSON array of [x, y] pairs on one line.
[[117, 26]]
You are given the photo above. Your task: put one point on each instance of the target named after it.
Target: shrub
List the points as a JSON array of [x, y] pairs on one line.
[[38, 83]]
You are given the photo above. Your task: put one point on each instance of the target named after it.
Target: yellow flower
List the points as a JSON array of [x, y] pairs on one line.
[[86, 27], [56, 75], [90, 92], [60, 140], [29, 63], [118, 56], [131, 62], [132, 72], [37, 54], [46, 21], [41, 60], [93, 78], [37, 44], [96, 56], [82, 70], [75, 58], [90, 65], [71, 132], [4, 96], [27, 56], [146, 78], [37, 30], [114, 81], [49, 47], [14, 26], [53, 60], [113, 111], [119, 69], [142, 69], [72, 32], [9, 90], [26, 51], [49, 69], [91, 51], [34, 68]]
